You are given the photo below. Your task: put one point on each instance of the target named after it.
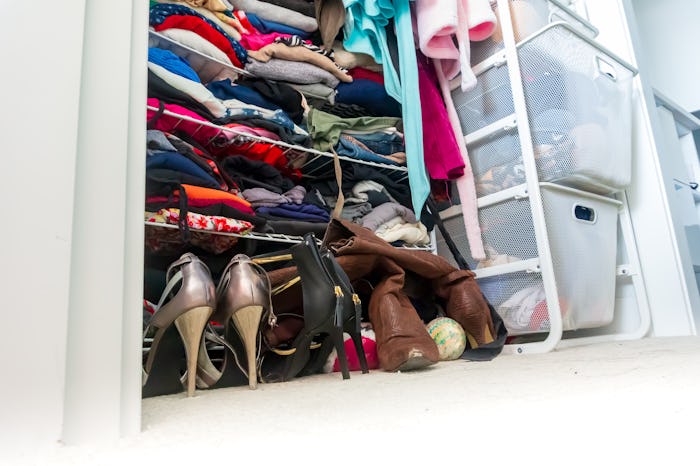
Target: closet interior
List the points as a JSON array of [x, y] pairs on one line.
[[275, 147]]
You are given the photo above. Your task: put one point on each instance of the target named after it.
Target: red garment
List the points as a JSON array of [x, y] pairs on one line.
[[364, 73], [217, 142], [268, 153], [245, 22], [202, 29]]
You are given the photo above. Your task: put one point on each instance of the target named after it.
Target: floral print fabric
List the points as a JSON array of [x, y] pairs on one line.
[[169, 241]]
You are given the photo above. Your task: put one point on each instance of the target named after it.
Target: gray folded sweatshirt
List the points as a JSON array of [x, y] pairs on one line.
[[385, 212], [291, 71]]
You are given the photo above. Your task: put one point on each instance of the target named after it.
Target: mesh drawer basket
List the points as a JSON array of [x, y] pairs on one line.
[[529, 16], [579, 106], [582, 230], [506, 229], [497, 163]]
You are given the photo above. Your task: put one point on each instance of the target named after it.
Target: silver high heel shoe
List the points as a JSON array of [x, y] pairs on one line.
[[189, 308], [243, 302]]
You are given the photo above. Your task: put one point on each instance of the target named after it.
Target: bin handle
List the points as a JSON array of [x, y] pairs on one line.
[[606, 69], [584, 214]]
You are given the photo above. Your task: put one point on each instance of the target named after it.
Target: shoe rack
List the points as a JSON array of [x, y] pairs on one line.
[[532, 214]]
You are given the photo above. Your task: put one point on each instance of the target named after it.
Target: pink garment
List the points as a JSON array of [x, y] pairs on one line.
[[439, 22], [254, 131], [257, 41], [204, 135], [167, 123], [443, 158], [465, 184]]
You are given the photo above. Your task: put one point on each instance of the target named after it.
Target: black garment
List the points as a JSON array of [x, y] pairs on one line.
[[185, 144], [354, 172], [314, 197], [377, 198], [296, 227], [284, 95], [159, 89], [304, 7], [163, 181], [249, 173], [286, 134]]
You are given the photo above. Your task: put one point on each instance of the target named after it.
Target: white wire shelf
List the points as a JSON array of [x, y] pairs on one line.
[[274, 237], [312, 163]]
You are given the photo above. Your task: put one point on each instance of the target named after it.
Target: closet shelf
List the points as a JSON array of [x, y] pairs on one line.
[[274, 237], [159, 40], [318, 164]]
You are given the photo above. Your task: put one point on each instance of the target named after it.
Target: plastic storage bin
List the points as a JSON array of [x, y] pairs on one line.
[[582, 231], [529, 16], [578, 98]]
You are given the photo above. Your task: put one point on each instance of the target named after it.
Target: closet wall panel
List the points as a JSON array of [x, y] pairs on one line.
[[40, 93]]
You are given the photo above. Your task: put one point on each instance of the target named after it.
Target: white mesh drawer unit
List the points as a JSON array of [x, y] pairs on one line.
[[582, 232], [578, 99]]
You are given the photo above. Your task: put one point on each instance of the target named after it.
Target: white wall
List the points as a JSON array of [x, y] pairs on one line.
[[73, 93], [669, 32], [40, 93]]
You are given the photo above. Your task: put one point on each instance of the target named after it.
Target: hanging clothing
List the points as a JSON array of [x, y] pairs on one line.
[[365, 29], [440, 22]]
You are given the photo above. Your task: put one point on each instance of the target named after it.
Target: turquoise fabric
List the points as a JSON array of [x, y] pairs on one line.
[[365, 23]]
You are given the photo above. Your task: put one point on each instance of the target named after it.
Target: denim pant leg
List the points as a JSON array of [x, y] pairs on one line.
[[349, 149], [382, 143]]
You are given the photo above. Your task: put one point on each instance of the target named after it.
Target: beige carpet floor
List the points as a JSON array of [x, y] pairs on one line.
[[612, 403]]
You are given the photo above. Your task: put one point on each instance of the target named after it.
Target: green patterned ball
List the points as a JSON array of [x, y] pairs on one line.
[[449, 337]]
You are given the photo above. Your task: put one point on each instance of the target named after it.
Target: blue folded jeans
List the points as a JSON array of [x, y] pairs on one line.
[[349, 149], [382, 143]]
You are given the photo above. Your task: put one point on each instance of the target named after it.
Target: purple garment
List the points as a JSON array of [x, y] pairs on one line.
[[261, 197], [305, 212], [442, 156]]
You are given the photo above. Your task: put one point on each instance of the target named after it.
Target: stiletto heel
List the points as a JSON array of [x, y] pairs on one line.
[[247, 322], [191, 327], [187, 302], [348, 315], [244, 307], [337, 335]]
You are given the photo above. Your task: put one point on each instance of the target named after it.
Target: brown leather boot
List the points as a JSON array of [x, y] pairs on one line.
[[465, 302], [403, 343]]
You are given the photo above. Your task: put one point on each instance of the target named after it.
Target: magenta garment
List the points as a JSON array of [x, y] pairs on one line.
[[443, 158], [254, 131], [258, 41], [166, 123]]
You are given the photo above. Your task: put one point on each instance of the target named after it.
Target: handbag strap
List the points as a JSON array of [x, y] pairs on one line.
[[490, 350], [435, 214]]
